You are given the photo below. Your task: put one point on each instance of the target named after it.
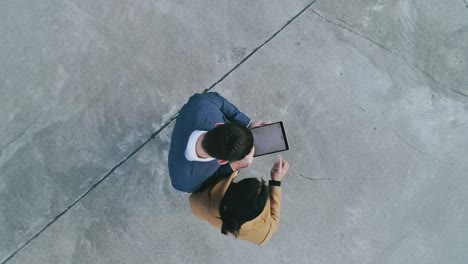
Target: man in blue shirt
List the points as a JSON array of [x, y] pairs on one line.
[[210, 136]]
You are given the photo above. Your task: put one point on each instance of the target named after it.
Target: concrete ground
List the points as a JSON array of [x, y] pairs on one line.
[[374, 96]]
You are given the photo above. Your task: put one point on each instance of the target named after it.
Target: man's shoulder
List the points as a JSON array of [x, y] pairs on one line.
[[210, 98], [201, 112]]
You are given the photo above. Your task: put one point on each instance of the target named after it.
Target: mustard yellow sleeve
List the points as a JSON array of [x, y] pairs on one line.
[[275, 209], [275, 204]]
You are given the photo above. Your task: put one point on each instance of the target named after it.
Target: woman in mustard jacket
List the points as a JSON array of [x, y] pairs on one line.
[[248, 210]]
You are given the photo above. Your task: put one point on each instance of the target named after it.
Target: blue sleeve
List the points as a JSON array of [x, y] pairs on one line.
[[225, 169], [229, 110]]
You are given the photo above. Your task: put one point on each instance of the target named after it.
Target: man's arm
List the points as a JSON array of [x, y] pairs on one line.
[[229, 110]]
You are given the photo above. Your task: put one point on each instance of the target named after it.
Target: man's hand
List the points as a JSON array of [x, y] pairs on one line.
[[243, 163], [258, 123]]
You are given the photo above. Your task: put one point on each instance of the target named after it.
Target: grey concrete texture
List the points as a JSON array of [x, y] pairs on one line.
[[84, 83], [372, 93]]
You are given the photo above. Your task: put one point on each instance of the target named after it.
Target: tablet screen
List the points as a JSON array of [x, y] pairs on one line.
[[269, 139]]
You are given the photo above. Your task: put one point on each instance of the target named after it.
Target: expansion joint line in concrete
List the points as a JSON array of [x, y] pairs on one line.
[[90, 189], [149, 139], [259, 47], [406, 60]]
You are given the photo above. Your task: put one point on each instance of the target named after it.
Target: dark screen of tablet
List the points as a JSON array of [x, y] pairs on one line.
[[268, 139]]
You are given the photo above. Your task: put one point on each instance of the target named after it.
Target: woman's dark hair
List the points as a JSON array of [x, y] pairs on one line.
[[231, 141], [242, 202]]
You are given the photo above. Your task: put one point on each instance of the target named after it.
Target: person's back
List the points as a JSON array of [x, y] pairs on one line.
[[248, 209], [201, 113]]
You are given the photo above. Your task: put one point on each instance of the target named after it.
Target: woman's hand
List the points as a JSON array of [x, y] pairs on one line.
[[279, 170]]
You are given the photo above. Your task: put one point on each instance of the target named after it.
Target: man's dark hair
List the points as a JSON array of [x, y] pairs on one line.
[[231, 141], [242, 202]]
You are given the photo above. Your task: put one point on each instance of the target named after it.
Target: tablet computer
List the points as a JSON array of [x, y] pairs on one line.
[[269, 139]]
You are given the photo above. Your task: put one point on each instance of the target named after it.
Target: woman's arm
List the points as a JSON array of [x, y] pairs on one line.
[[275, 207], [279, 170]]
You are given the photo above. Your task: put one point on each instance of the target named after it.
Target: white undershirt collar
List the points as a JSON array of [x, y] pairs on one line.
[[190, 151]]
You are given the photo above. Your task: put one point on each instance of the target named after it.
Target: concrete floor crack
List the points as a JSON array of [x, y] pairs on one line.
[[412, 146], [346, 26], [417, 149], [332, 179], [259, 47], [315, 179], [19, 135], [96, 184], [350, 30]]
